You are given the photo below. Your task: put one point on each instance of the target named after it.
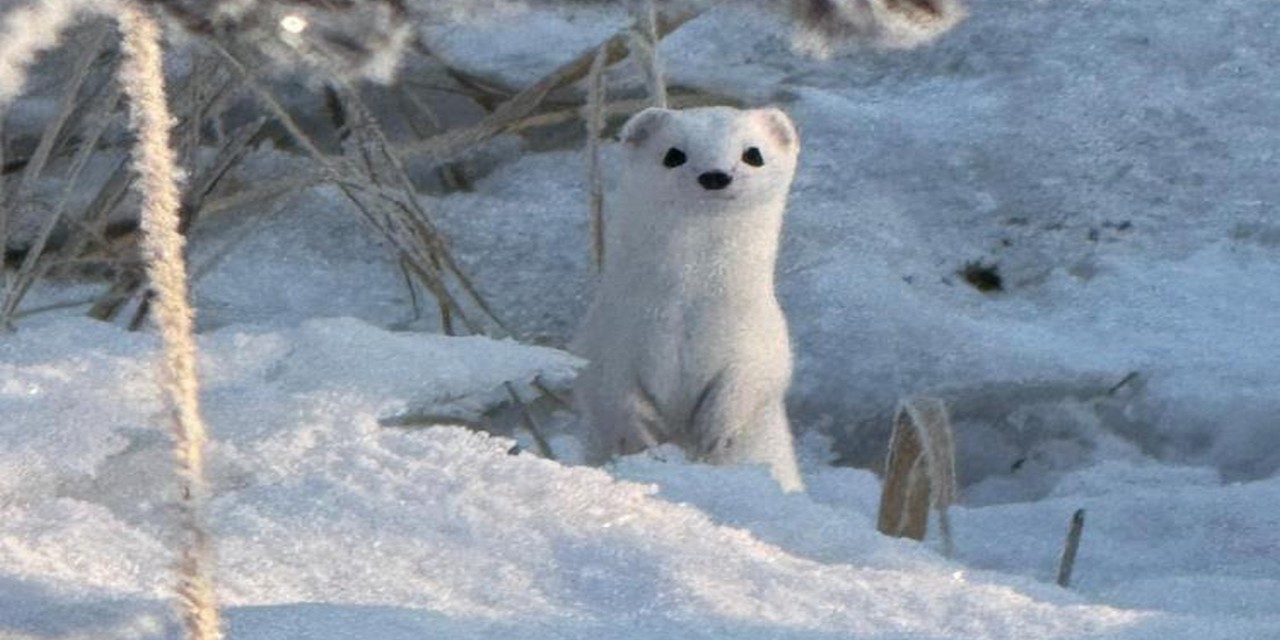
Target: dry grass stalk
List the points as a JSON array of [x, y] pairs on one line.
[[644, 39], [233, 149], [28, 30], [92, 221], [142, 78], [595, 178], [546, 391], [410, 221], [384, 197], [205, 86], [267, 193], [32, 267], [919, 471], [529, 423], [21, 279], [1068, 561], [269, 202], [66, 105], [383, 194], [251, 81], [98, 242], [523, 104], [4, 215], [621, 107], [206, 97], [197, 190]]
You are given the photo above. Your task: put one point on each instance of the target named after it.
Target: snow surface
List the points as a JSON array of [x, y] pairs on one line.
[[330, 525], [1115, 160]]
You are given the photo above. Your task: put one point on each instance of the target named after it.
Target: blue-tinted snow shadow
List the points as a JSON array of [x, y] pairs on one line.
[[328, 621], [827, 523], [32, 610]]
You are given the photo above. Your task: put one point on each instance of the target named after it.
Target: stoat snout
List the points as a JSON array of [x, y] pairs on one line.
[[714, 180]]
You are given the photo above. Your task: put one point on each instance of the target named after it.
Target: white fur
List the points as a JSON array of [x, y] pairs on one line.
[[685, 337]]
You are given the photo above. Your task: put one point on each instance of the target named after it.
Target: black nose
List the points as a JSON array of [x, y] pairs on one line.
[[714, 180]]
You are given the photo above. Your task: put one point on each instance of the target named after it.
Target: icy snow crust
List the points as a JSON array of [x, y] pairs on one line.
[[1116, 160]]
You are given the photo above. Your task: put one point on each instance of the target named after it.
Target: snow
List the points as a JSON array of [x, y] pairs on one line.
[[1115, 174], [1114, 160], [520, 44], [330, 524]]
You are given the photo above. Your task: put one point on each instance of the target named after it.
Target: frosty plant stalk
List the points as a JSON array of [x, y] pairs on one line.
[[24, 33], [143, 81], [645, 48], [594, 116]]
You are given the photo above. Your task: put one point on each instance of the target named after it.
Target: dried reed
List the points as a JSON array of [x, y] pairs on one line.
[[920, 466], [594, 117], [644, 40], [142, 77]]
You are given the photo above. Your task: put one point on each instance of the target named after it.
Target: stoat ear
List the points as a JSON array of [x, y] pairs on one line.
[[643, 125], [779, 126]]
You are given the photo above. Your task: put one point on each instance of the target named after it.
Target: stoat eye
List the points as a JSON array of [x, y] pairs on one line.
[[674, 158], [752, 157]]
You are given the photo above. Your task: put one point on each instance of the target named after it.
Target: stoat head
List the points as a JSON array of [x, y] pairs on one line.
[[716, 157]]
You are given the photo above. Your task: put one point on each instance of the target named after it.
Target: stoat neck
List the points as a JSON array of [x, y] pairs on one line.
[[700, 252]]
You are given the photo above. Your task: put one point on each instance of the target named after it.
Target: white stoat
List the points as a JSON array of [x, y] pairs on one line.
[[685, 339]]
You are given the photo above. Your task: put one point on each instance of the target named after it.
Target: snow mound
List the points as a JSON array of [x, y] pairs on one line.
[[331, 525]]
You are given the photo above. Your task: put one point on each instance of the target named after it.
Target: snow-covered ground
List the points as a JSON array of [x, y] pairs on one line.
[[1114, 161], [330, 525]]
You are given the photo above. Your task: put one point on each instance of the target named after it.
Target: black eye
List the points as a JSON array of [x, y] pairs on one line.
[[752, 157], [674, 158]]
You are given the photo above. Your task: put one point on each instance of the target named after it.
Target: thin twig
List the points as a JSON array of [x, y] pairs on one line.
[[1126, 380], [542, 388], [1068, 561], [4, 212], [66, 105], [270, 191], [299, 136], [205, 84], [28, 272], [188, 105], [447, 145], [376, 145], [644, 37], [396, 215], [53, 306], [595, 179], [433, 118], [22, 278], [230, 153], [91, 222], [617, 108], [530, 425], [412, 289], [217, 255]]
